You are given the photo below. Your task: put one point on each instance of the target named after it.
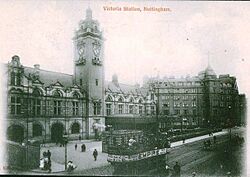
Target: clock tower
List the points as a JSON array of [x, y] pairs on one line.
[[89, 71]]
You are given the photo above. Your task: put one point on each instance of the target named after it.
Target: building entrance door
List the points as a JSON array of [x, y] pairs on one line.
[[57, 132], [15, 133]]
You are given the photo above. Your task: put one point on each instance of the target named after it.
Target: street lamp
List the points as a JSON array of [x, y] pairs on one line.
[[65, 139], [229, 122]]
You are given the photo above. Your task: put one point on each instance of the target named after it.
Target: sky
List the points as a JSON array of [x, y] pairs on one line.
[[174, 43]]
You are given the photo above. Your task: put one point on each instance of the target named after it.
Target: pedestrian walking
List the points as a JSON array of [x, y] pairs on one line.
[[49, 154], [75, 146], [95, 154], [83, 148], [183, 140], [177, 170], [49, 165]]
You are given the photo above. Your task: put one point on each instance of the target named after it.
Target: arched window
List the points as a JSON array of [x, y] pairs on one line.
[[120, 100], [57, 93], [36, 102], [120, 106], [75, 104], [109, 99], [75, 128], [57, 103]]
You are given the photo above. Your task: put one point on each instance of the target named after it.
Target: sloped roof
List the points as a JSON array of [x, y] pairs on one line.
[[125, 88], [183, 79], [209, 71], [51, 77]]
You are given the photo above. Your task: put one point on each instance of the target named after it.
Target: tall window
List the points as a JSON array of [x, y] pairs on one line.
[[15, 104], [152, 110], [57, 107], [120, 108], [140, 109], [108, 109], [131, 109], [15, 78], [75, 108], [36, 103], [57, 104], [37, 107], [75, 104], [97, 108]]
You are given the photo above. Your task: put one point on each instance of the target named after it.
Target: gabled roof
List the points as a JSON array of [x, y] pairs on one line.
[[51, 77], [125, 88]]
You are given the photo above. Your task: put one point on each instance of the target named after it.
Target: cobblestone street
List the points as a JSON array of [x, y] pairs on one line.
[[83, 160]]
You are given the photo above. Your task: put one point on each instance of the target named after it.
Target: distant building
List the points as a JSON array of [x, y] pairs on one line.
[[200, 101], [45, 105], [242, 113]]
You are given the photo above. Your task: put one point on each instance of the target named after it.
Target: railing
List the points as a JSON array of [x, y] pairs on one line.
[[137, 156]]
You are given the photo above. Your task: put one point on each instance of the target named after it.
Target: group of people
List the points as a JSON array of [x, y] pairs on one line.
[[45, 161], [83, 147], [176, 171]]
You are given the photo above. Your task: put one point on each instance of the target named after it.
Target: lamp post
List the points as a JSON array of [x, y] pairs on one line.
[[229, 122], [65, 139]]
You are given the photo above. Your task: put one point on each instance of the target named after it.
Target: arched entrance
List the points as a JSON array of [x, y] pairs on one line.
[[75, 128], [56, 132], [15, 133], [37, 130]]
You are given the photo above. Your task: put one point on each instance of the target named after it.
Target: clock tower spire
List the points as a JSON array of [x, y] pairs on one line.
[[89, 69]]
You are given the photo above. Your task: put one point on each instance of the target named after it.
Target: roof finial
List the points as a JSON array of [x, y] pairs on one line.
[[89, 13]]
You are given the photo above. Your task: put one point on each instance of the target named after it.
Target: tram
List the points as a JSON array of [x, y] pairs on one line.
[[136, 151]]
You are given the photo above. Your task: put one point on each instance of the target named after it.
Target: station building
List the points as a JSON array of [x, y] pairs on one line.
[[46, 105]]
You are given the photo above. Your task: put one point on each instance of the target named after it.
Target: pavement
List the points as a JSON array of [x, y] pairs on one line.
[[85, 160], [179, 143]]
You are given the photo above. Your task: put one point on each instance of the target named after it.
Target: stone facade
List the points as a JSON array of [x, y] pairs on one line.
[[200, 101], [45, 105]]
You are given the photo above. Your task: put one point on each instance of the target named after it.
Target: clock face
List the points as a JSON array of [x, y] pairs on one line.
[[81, 50], [97, 49]]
